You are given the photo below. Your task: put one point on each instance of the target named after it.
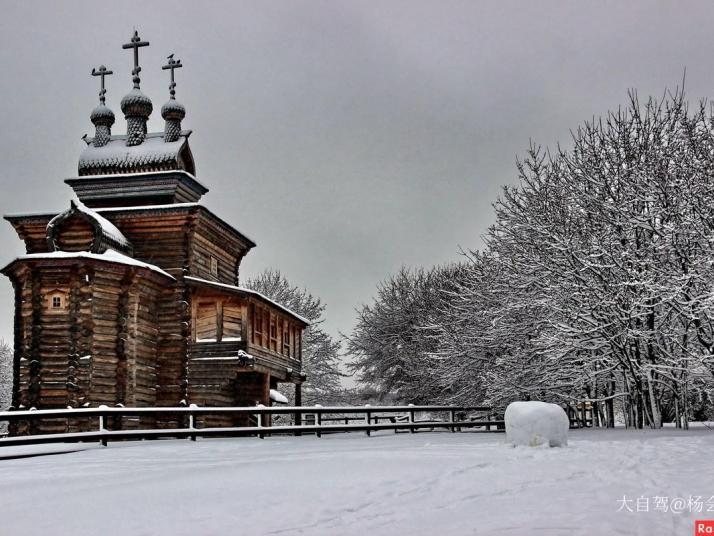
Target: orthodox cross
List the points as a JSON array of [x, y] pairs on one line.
[[173, 65], [136, 43], [102, 71]]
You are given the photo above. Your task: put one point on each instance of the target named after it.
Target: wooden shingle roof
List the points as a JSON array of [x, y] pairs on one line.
[[154, 154]]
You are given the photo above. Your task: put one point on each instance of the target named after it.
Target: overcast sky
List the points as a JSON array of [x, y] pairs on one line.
[[346, 138]]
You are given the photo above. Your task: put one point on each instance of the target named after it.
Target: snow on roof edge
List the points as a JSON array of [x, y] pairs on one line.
[[105, 209], [108, 256], [168, 206], [248, 291]]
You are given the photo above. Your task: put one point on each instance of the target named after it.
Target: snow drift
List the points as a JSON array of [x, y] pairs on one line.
[[536, 423]]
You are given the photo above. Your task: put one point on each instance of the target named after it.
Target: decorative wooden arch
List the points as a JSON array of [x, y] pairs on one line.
[[101, 241]]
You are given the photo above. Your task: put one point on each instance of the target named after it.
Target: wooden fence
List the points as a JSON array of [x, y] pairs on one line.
[[104, 424]]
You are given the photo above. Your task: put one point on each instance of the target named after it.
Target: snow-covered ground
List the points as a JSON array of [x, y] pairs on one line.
[[427, 483]]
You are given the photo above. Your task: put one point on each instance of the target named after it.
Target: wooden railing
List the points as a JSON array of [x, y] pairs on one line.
[[304, 420], [202, 350]]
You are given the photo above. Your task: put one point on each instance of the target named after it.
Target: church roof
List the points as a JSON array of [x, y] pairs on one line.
[[108, 256], [248, 292], [137, 189], [154, 154]]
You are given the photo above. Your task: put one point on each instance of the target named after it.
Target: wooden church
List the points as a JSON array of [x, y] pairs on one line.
[[131, 296]]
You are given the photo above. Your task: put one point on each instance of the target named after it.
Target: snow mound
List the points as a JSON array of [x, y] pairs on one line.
[[277, 396], [536, 423]]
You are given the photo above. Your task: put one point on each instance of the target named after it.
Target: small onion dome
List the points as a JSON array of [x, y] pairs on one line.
[[136, 104], [102, 115], [173, 111]]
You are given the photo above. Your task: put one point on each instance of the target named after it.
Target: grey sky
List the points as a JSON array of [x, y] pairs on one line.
[[345, 138]]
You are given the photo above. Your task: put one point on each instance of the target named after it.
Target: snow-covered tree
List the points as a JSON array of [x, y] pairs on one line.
[[393, 347], [596, 283], [320, 352]]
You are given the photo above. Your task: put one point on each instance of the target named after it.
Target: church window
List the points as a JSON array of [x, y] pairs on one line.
[[55, 301], [232, 322], [273, 333], [258, 326], [206, 322], [286, 338]]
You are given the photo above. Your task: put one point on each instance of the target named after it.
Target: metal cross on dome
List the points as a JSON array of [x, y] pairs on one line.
[[101, 71], [136, 43], [173, 65]]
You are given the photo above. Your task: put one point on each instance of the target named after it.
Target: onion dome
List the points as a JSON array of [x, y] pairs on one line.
[[136, 103], [173, 111], [102, 117], [137, 108]]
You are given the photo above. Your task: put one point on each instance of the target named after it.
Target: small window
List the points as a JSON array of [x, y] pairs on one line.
[[257, 326], [273, 334], [56, 301], [206, 322], [273, 329], [214, 266], [286, 339]]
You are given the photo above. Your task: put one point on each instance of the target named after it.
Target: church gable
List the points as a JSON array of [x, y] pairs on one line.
[[75, 234], [82, 229]]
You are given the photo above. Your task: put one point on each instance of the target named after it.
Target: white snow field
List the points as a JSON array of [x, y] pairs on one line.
[[427, 483]]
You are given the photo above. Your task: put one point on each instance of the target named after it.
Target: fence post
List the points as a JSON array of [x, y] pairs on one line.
[[368, 420], [101, 426], [452, 418], [411, 420], [318, 419], [192, 422], [298, 422], [259, 416]]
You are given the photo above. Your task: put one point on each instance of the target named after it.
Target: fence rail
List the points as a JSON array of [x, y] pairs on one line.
[[305, 419]]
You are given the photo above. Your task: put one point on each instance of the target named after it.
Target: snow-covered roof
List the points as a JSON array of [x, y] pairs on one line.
[[248, 291], [142, 208], [154, 154], [277, 396], [108, 256], [53, 213], [108, 229]]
